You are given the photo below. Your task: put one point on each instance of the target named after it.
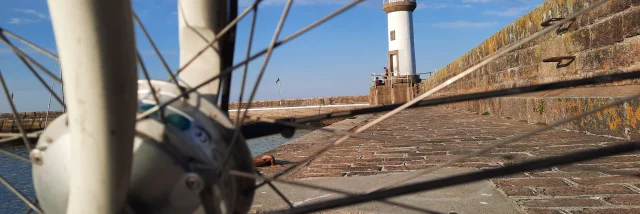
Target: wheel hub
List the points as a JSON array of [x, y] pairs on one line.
[[177, 165]]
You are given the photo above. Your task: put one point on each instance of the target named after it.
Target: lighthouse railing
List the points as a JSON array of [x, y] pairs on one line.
[[389, 80], [373, 76]]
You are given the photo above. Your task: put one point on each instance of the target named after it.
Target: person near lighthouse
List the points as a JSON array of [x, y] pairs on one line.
[[386, 73]]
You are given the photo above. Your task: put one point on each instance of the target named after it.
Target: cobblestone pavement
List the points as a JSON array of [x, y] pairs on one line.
[[450, 133]]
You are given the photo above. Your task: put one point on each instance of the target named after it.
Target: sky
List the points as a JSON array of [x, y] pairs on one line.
[[334, 59]]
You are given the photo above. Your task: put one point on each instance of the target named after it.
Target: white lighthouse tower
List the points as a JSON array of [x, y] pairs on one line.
[[401, 56]]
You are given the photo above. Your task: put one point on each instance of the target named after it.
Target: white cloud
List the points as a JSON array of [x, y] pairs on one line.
[[26, 50], [513, 11], [17, 21], [33, 16], [464, 24], [432, 5], [33, 13]]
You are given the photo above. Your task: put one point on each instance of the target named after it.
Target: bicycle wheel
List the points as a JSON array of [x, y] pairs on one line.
[[188, 155]]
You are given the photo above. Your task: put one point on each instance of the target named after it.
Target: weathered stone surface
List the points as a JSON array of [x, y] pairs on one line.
[[517, 191], [31, 121], [586, 191], [436, 135], [391, 94], [543, 211], [530, 182], [608, 211], [563, 202], [547, 107], [304, 102], [604, 41], [632, 199]]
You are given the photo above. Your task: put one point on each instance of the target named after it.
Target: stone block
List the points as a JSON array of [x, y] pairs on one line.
[[517, 191], [605, 179], [607, 9], [563, 202], [624, 199], [531, 182], [607, 33], [608, 211], [624, 56], [543, 211], [584, 190], [577, 41], [631, 23], [597, 59]]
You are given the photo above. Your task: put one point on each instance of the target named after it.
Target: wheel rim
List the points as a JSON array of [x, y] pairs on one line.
[[236, 136]]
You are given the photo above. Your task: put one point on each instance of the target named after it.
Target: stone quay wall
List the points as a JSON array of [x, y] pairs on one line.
[[603, 41]]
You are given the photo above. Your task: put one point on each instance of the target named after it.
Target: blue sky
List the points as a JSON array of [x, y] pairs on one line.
[[333, 59]]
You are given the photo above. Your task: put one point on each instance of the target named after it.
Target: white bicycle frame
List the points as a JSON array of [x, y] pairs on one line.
[[96, 44]]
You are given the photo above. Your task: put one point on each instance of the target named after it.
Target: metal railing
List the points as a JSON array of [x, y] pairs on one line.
[[381, 76], [394, 76], [392, 1], [430, 73]]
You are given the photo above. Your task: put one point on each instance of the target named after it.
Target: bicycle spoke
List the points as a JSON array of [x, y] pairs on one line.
[[246, 64], [471, 177], [14, 136], [603, 79], [437, 88], [227, 71], [15, 113], [219, 35], [607, 171], [585, 168], [53, 83], [157, 51], [30, 44], [151, 88], [238, 122], [330, 130], [3, 134], [20, 195], [29, 209], [504, 142], [328, 189], [379, 194], [210, 44], [274, 40], [267, 58], [282, 196], [18, 157], [26, 57], [24, 60]]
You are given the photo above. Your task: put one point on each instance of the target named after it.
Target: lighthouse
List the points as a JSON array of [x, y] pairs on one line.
[[401, 55]]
